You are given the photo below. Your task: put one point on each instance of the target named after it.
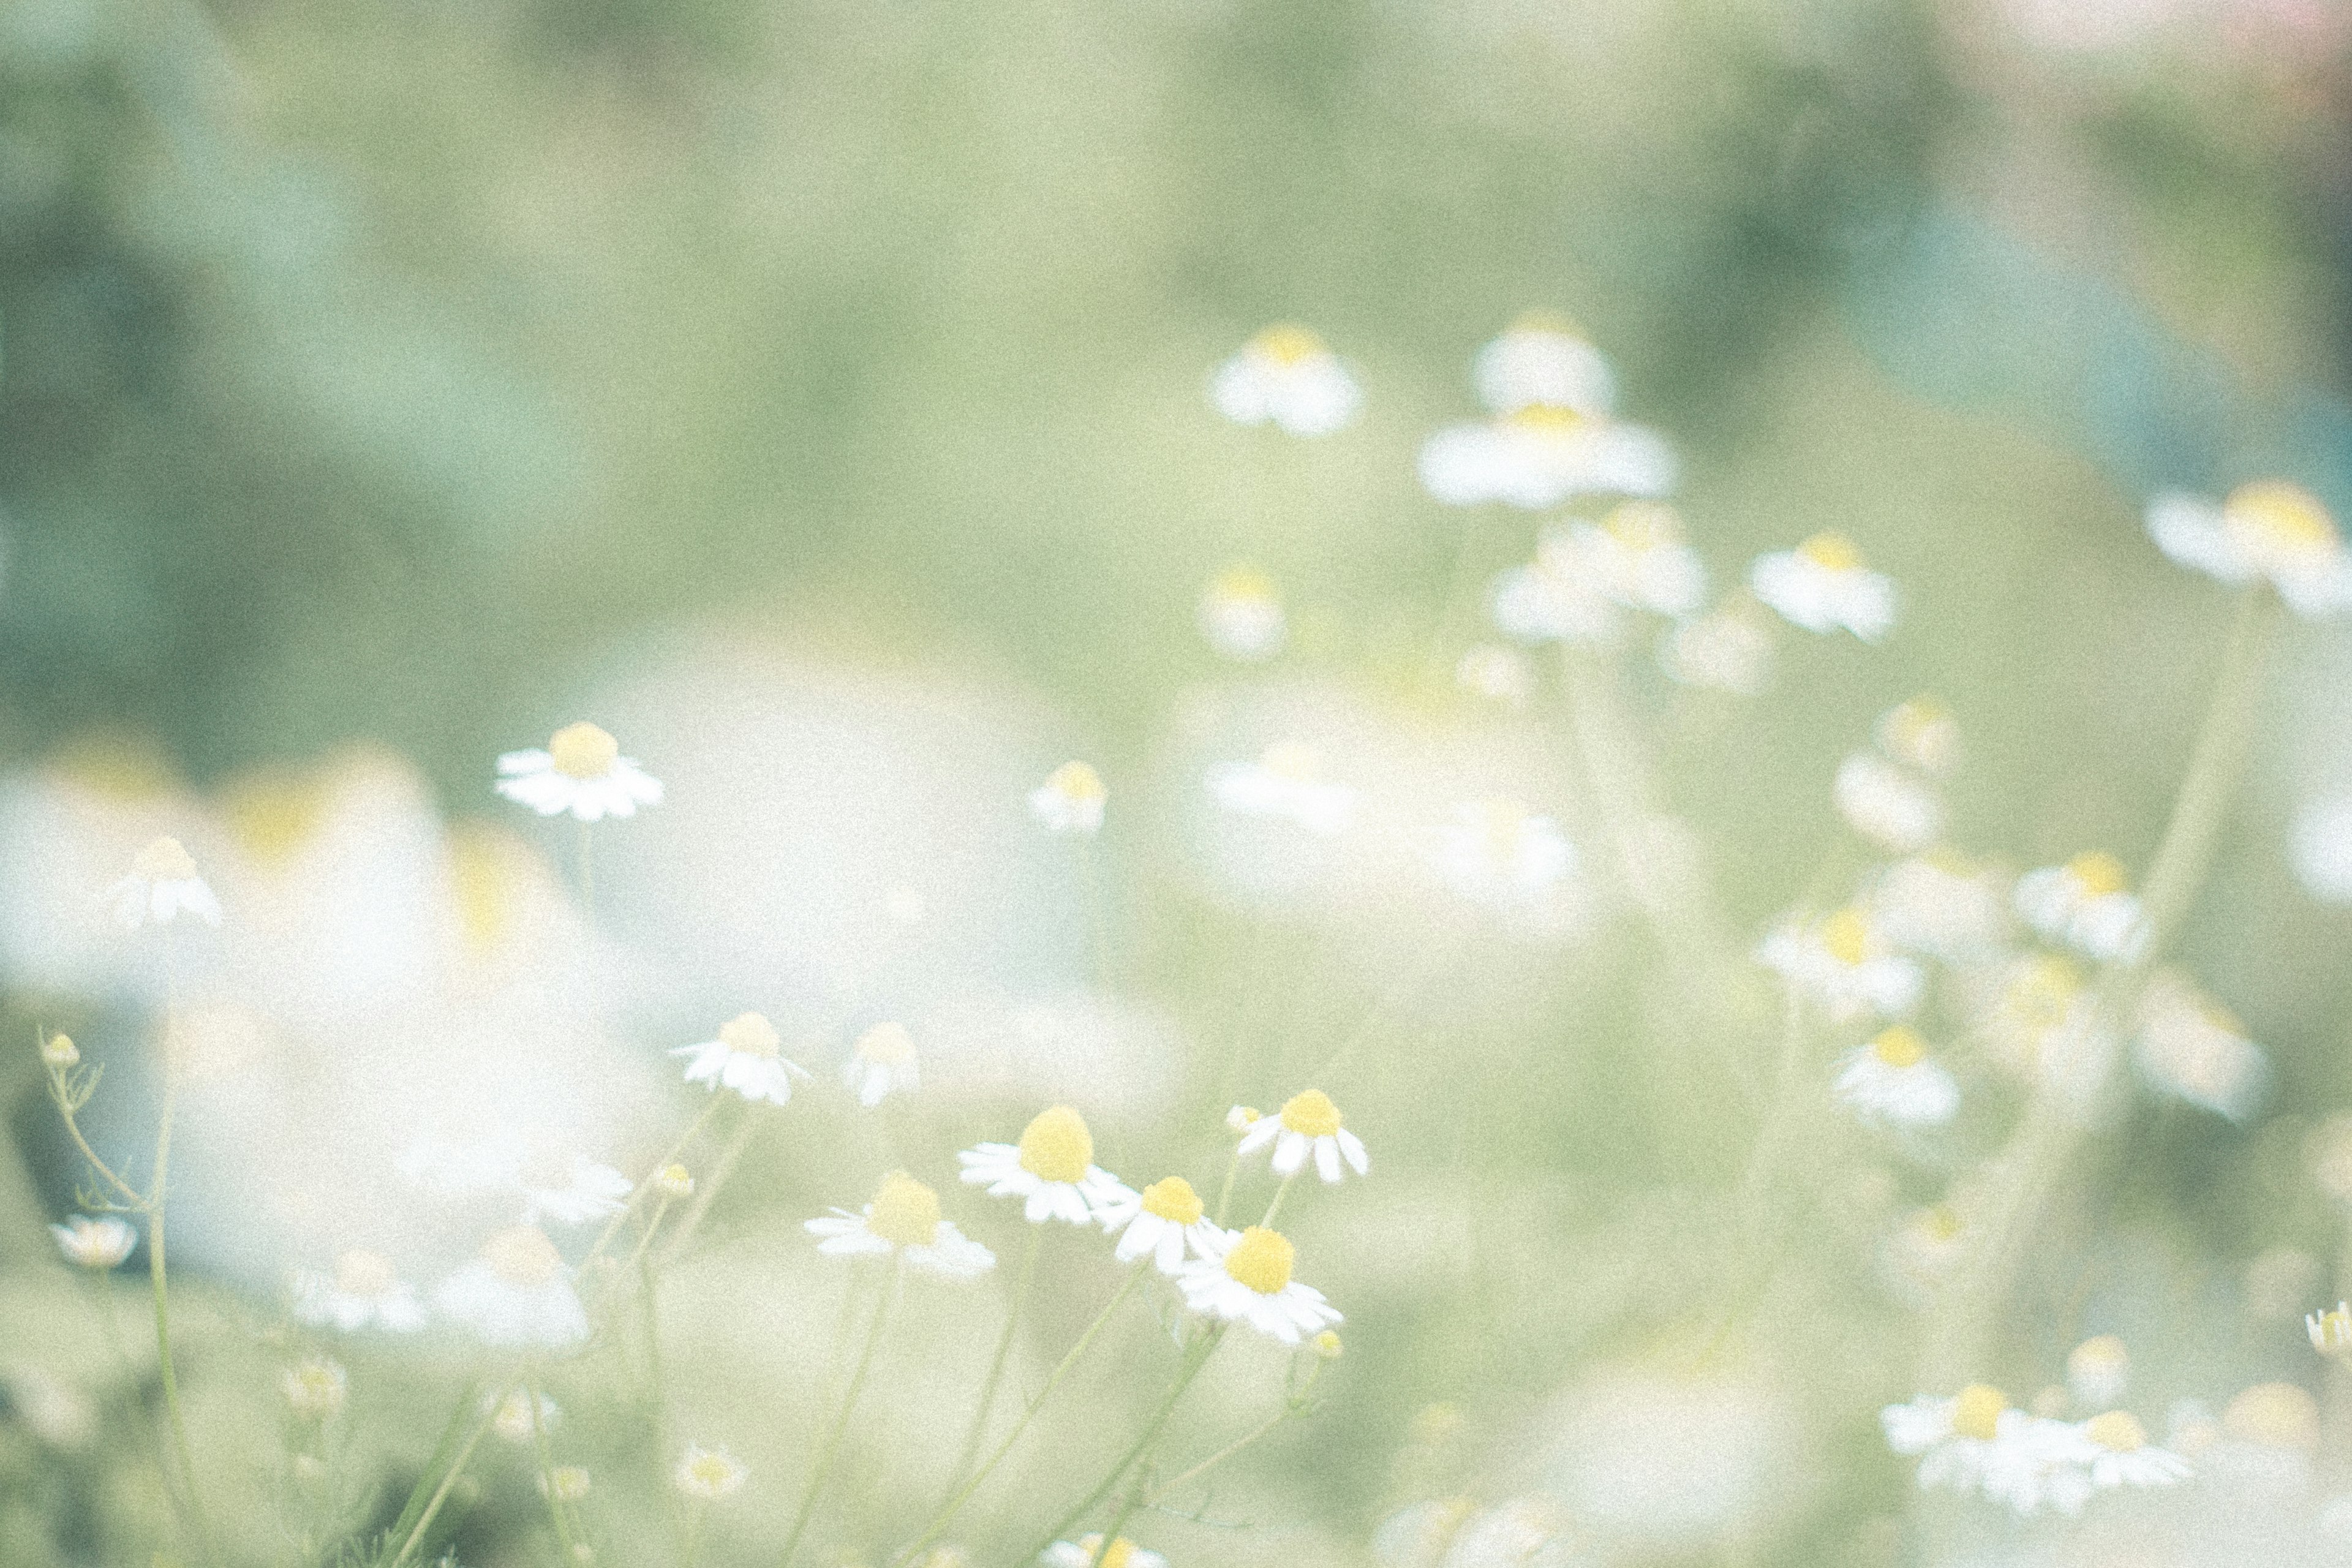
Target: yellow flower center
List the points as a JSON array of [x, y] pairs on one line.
[[673, 1181], [1548, 419], [1550, 322], [2097, 874], [886, 1045], [2275, 1415], [2099, 1353], [1940, 1223], [750, 1035], [164, 861], [1644, 525], [1116, 1555], [522, 1255], [1246, 585], [2279, 519], [1831, 552], [1261, 1260], [904, 1213], [583, 752], [712, 1472], [317, 1384], [1845, 935], [2118, 1431], [363, 1273], [1899, 1047], [273, 815], [2042, 996], [1077, 781], [1173, 1199], [1978, 1411], [1287, 345], [1057, 1146], [1311, 1114], [1292, 761], [60, 1051]]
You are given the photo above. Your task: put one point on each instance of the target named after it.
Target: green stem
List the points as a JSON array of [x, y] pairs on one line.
[[946, 1516], [1291, 1407], [156, 1274], [1225, 1192], [546, 1456], [693, 1548], [638, 1195], [1280, 1193], [971, 1450], [455, 1466], [1196, 1357], [831, 1449]]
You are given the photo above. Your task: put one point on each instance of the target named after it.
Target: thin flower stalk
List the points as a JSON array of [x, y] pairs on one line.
[[830, 1449], [972, 1441], [1196, 1357]]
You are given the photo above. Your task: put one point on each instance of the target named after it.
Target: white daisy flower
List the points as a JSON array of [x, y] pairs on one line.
[[1307, 1124], [707, 1475], [880, 1064], [1287, 377], [1088, 1551], [672, 1182], [2331, 1331], [518, 1293], [2193, 1048], [1637, 558], [1052, 1168], [1159, 1221], [904, 1217], [1495, 673], [2086, 903], [1285, 782], [2122, 1456], [519, 1416], [1496, 850], [1551, 600], [1070, 800], [60, 1054], [2319, 847], [1974, 1441], [365, 1292], [98, 1244], [162, 885], [1247, 1279], [1823, 584], [1886, 805], [747, 1056], [1543, 360], [1541, 456], [1845, 965], [1944, 905], [581, 771], [570, 1189], [1921, 734], [1241, 615], [2046, 1024], [2266, 531], [1894, 1079], [315, 1389], [2098, 1371], [1728, 649]]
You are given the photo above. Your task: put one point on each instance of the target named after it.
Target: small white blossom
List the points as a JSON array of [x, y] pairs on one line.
[[1888, 806], [1241, 615], [1823, 585], [707, 1475], [1285, 782], [580, 770], [747, 1056], [1052, 1169], [315, 1389], [516, 1294], [1070, 800], [1088, 1551], [1845, 965], [162, 885], [1160, 1222], [1308, 1123], [2267, 531], [1247, 1278], [1727, 649], [2193, 1048], [365, 1292], [1541, 456], [98, 1244], [882, 1063], [2086, 903], [1285, 376], [1894, 1079], [904, 1218], [1542, 360], [1637, 558]]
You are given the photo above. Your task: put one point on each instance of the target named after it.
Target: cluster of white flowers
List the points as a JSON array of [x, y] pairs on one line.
[[1974, 1441]]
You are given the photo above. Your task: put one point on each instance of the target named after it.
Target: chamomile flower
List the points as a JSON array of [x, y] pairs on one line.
[[1845, 965], [904, 1218], [2098, 1371], [1495, 673], [707, 1475], [1944, 905], [1888, 806], [1542, 454], [2193, 1048], [882, 1063], [315, 1389], [519, 1416], [1974, 1441], [1285, 376], [569, 1188], [97, 1244], [1551, 600], [1307, 1124], [2267, 531], [365, 1292], [161, 886], [1498, 851], [580, 770], [1089, 1552], [2046, 1023], [672, 1182], [1286, 782], [60, 1054], [1893, 1078], [1241, 615], [1052, 1169], [2121, 1455], [1824, 585], [1070, 800], [1159, 1221], [1727, 649], [2087, 903], [517, 1293], [1247, 1278], [1637, 558], [747, 1056], [1921, 734], [1542, 360], [2331, 1331]]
